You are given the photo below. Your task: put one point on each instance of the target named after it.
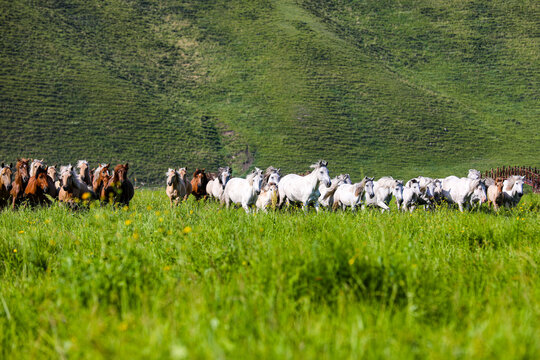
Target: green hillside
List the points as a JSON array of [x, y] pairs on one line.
[[375, 87]]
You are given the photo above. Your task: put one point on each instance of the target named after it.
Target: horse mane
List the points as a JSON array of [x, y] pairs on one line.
[[251, 176], [80, 163], [35, 161], [98, 170], [318, 164], [510, 184]]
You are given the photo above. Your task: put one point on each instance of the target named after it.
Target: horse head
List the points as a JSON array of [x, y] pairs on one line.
[[255, 179], [224, 175], [120, 172], [66, 177], [22, 169], [41, 178], [172, 177], [368, 186], [321, 172], [182, 172], [415, 187], [51, 172], [397, 191], [5, 176], [474, 174]]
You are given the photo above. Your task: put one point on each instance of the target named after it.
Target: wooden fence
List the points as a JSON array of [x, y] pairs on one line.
[[531, 175]]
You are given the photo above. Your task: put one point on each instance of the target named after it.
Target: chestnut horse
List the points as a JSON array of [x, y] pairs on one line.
[[37, 188], [198, 184], [118, 188], [100, 175], [20, 181], [5, 184]]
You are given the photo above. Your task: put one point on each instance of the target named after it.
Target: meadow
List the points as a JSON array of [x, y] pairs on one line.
[[198, 281]]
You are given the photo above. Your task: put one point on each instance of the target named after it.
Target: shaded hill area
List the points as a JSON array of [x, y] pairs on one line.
[[371, 86]]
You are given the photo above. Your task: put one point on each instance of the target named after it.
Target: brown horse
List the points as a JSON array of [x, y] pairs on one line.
[[5, 184], [20, 181], [37, 188], [118, 188], [198, 184], [100, 174]]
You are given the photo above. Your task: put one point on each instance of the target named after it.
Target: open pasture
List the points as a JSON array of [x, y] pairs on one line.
[[197, 281]]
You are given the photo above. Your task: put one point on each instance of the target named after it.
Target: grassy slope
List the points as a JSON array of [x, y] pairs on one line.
[[132, 284], [370, 86]]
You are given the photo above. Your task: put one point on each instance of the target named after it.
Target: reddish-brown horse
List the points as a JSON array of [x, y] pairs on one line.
[[101, 174], [118, 188], [20, 181], [5, 184], [198, 184], [37, 188]]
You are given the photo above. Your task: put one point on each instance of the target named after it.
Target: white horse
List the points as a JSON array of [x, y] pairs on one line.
[[512, 190], [351, 194], [176, 187], [84, 172], [410, 196], [326, 198], [463, 191], [243, 191], [430, 191], [383, 190], [304, 189], [215, 187]]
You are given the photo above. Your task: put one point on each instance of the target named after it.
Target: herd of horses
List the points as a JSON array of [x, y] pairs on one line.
[[263, 190], [32, 182]]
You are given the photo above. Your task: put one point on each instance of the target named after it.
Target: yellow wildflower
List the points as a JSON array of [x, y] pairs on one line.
[[128, 222], [86, 196], [187, 230], [166, 268], [190, 212], [135, 236], [14, 250], [21, 232]]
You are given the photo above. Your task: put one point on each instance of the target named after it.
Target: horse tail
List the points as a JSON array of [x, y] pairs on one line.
[[331, 191]]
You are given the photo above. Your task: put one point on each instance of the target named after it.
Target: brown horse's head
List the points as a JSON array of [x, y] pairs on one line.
[[38, 184], [199, 181], [5, 177], [120, 172], [22, 169]]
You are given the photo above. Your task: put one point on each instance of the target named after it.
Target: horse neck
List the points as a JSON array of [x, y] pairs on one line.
[[312, 179]]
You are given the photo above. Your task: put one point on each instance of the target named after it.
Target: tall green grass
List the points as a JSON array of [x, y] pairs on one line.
[[199, 281]]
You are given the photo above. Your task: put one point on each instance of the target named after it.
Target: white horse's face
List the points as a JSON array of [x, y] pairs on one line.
[[273, 179], [171, 177], [415, 187], [257, 182], [368, 188], [398, 191], [517, 189], [479, 194], [323, 176]]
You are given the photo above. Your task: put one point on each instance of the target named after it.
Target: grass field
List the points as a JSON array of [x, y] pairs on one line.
[[202, 282]]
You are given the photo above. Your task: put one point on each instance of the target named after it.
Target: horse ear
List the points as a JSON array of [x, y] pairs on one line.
[[127, 166], [11, 165], [109, 164], [324, 163], [2, 165]]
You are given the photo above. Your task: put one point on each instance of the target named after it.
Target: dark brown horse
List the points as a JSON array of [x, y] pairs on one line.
[[5, 184], [198, 184], [118, 188], [20, 181], [37, 188], [100, 174]]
